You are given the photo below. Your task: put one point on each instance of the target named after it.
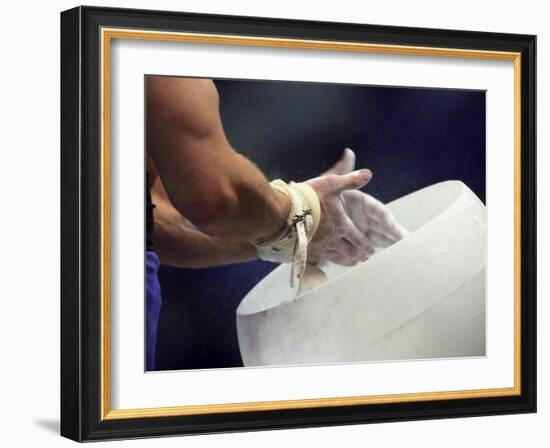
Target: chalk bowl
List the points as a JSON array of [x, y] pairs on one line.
[[423, 297]]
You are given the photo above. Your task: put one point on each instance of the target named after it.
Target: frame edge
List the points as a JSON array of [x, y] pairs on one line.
[[71, 379], [79, 419]]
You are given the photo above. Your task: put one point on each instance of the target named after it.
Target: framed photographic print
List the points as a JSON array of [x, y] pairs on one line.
[[274, 223]]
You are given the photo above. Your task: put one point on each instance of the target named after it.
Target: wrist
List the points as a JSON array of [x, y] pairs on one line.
[[282, 207], [289, 244], [311, 197]]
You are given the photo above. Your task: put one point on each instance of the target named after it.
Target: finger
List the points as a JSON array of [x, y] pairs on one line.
[[351, 181], [387, 225], [358, 239], [380, 239], [389, 234], [381, 218], [345, 165], [345, 248], [400, 231], [346, 230], [351, 252], [373, 208], [356, 215], [338, 258], [355, 255]]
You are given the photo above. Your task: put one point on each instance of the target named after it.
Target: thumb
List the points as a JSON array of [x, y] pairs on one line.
[[345, 165], [351, 181]]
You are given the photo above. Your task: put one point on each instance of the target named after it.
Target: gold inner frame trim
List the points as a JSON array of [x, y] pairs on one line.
[[107, 35]]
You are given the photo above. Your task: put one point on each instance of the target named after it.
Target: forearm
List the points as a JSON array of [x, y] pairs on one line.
[[236, 203], [178, 244], [188, 248], [252, 210]]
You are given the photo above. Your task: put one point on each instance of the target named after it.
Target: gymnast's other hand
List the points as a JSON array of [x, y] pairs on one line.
[[338, 239], [374, 221]]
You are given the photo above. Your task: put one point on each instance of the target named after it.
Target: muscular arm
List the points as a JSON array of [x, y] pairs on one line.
[[178, 244], [222, 193]]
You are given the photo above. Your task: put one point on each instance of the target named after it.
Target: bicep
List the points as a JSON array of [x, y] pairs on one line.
[[185, 138], [181, 115]]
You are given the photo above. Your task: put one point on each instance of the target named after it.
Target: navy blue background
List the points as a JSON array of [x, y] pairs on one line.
[[409, 137]]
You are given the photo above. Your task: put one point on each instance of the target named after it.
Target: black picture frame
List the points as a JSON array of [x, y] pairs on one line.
[[81, 208]]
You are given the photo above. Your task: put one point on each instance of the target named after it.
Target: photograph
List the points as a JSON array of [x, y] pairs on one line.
[[275, 224], [308, 223]]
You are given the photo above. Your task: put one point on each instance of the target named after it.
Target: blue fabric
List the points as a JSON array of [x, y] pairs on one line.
[[154, 302]]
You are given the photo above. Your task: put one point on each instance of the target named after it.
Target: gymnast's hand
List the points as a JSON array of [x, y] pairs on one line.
[[370, 215], [337, 238]]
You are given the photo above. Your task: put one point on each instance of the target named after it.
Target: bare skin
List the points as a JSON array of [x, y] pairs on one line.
[[179, 244], [211, 201], [221, 192]]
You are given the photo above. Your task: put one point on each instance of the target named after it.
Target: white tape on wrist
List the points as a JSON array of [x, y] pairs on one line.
[[289, 245]]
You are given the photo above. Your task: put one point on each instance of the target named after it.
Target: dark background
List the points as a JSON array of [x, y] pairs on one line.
[[409, 137]]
